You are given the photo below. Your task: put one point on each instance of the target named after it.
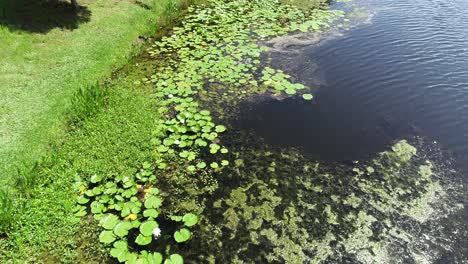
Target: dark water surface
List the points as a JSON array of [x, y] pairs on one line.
[[403, 71]]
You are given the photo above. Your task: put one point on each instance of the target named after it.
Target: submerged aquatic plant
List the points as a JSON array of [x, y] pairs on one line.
[[328, 212]]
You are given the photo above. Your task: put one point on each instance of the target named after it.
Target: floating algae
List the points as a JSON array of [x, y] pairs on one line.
[[373, 211]]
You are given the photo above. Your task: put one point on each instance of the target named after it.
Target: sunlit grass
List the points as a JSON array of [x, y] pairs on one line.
[[39, 72]]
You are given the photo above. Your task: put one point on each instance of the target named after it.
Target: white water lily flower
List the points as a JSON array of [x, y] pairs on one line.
[[182, 121], [156, 232], [170, 96], [177, 142]]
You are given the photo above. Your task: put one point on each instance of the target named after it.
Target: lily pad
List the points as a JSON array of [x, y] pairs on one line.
[[151, 213], [107, 237], [147, 227], [120, 250], [153, 202], [162, 148], [220, 129], [182, 235], [307, 96], [96, 178], [83, 200], [109, 221], [155, 258], [143, 240], [290, 91], [97, 207], [177, 218], [190, 219], [201, 165], [122, 228], [174, 259]]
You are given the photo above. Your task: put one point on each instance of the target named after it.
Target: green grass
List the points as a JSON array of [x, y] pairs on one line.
[[115, 141], [45, 62]]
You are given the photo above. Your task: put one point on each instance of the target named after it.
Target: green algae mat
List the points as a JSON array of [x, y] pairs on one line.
[[213, 193]]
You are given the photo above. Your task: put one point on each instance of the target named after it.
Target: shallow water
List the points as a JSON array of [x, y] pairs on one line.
[[402, 69]]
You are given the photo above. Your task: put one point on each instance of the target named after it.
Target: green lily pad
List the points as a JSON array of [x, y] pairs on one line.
[[96, 178], [122, 228], [109, 221], [177, 218], [121, 244], [201, 165], [127, 209], [143, 240], [120, 250], [97, 207], [307, 96], [174, 259], [182, 235], [83, 200], [201, 142], [162, 148], [107, 237], [290, 91], [162, 166], [153, 202], [147, 227], [220, 129], [190, 219], [205, 112], [135, 223], [155, 258], [151, 213]]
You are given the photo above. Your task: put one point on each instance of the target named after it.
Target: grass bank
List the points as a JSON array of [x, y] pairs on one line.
[[48, 52], [114, 141]]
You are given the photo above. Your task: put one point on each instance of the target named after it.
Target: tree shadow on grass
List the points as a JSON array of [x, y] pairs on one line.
[[41, 16]]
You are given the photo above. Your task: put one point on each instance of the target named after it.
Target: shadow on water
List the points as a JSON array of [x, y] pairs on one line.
[[41, 16], [327, 128]]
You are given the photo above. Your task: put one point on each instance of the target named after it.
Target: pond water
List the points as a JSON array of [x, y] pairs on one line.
[[400, 70], [403, 69]]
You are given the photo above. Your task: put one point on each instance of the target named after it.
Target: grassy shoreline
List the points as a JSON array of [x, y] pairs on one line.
[[40, 71], [113, 141]]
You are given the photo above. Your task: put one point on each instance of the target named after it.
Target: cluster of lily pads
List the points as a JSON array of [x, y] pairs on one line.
[[188, 130], [214, 56], [279, 81], [127, 208]]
